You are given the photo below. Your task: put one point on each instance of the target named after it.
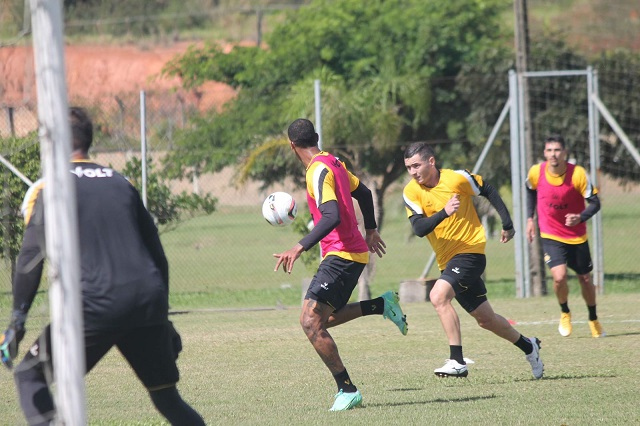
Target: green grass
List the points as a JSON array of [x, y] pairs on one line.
[[225, 260], [257, 368], [248, 362]]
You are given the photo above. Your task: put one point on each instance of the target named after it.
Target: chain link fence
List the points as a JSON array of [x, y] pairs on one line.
[[191, 249], [211, 254]]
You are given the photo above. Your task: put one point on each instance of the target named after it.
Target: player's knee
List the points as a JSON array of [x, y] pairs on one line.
[[485, 322], [310, 325], [24, 376], [165, 398], [439, 301]]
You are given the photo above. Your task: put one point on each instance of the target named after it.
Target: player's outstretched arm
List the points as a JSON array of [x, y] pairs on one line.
[[26, 281]]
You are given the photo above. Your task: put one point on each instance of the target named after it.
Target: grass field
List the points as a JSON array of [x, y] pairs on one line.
[[225, 260], [246, 360], [256, 367]]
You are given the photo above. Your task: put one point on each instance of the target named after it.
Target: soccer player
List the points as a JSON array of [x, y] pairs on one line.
[[439, 206], [125, 288], [559, 189], [330, 188]]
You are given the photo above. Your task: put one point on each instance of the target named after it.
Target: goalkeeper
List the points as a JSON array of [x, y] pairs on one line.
[[125, 288]]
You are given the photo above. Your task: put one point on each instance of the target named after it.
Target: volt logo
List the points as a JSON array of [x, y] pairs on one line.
[[98, 172]]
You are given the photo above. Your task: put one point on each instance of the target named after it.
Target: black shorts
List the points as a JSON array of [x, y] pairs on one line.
[[334, 281], [575, 256], [151, 351], [464, 273]]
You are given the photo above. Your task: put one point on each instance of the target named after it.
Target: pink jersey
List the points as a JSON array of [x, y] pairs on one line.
[[345, 238], [554, 202]]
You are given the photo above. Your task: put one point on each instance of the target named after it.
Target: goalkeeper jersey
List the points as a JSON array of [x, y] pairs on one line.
[[123, 269]]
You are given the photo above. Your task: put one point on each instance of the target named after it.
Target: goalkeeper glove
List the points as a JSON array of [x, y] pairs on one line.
[[11, 338]]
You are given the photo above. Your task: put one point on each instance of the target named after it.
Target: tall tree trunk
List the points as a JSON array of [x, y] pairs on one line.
[[536, 257]]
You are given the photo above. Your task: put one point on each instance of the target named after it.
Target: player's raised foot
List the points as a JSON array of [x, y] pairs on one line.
[[565, 326], [596, 329], [451, 368], [537, 367], [346, 400], [393, 311]]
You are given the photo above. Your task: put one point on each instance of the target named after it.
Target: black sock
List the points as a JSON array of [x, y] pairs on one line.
[[592, 313], [524, 344], [565, 307], [344, 382], [455, 352], [372, 307]]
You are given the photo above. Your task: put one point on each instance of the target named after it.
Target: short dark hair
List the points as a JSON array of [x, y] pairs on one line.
[[302, 133], [555, 138], [421, 148], [81, 129]]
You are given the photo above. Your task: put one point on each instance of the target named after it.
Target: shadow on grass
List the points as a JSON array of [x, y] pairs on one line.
[[433, 401], [612, 335], [571, 377]]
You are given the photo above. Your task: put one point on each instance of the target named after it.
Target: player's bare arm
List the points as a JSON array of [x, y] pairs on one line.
[[288, 258], [375, 242]]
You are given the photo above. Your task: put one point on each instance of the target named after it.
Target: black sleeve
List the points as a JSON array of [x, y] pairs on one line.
[[491, 194], [362, 194], [329, 220], [424, 225], [532, 201], [593, 207], [29, 265], [150, 236]]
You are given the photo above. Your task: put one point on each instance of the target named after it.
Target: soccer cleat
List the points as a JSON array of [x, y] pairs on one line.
[[596, 329], [451, 368], [537, 367], [565, 324], [346, 400], [393, 311]]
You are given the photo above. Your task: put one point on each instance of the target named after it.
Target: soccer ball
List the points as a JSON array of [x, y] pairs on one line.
[[279, 209]]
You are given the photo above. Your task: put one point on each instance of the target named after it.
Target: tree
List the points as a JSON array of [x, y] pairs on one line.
[[388, 73], [24, 154], [167, 209]]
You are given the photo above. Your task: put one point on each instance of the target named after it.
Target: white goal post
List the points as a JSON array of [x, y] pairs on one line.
[[61, 213]]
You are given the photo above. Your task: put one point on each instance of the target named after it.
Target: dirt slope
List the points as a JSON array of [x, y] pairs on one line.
[[97, 71]]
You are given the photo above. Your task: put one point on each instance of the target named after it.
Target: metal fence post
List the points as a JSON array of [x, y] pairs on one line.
[[516, 187]]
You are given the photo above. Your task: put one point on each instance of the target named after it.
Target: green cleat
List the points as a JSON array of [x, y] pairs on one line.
[[346, 400], [393, 311]]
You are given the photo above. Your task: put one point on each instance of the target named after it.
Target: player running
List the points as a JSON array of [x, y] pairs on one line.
[[345, 253], [439, 206]]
